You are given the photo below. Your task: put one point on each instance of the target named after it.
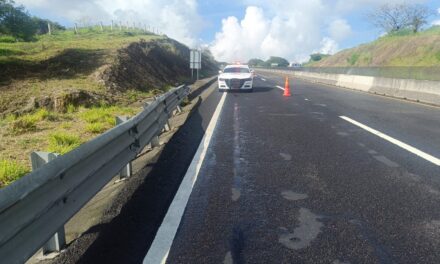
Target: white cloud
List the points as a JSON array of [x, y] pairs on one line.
[[339, 29], [292, 33], [436, 22], [329, 46], [177, 18]]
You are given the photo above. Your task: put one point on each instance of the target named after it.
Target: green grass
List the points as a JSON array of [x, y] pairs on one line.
[[28, 122], [63, 142], [399, 49], [354, 58], [96, 128], [11, 171], [104, 114], [47, 46]]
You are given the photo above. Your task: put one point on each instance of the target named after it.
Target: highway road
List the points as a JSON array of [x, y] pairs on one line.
[[328, 175]]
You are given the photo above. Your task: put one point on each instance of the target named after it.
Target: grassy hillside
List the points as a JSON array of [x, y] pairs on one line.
[[62, 90], [399, 50]]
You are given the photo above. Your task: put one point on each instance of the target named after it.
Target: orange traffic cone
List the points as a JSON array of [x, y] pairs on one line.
[[287, 88]]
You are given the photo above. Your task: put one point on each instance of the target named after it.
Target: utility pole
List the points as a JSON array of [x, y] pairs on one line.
[[76, 28], [102, 27], [49, 30]]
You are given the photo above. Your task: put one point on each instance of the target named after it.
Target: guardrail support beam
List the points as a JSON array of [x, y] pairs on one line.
[[58, 241]]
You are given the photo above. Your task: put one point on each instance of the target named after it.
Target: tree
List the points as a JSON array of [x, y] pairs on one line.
[[389, 17], [318, 56], [280, 62], [395, 17], [15, 21], [42, 25], [257, 63], [418, 16]]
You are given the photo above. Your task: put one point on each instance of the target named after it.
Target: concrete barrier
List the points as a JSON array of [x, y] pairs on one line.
[[414, 90]]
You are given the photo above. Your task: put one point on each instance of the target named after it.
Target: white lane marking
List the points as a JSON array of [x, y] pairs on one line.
[[279, 87], [263, 79], [399, 143], [160, 248], [306, 99]]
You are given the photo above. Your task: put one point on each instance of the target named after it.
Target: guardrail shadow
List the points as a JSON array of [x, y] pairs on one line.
[[146, 197]]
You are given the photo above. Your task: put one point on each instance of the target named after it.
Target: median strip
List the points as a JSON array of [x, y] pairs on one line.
[[399, 143]]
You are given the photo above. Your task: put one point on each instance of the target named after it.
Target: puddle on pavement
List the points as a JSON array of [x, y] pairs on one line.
[[282, 115], [303, 235], [235, 194], [386, 161], [228, 258], [286, 156], [293, 196], [372, 152], [337, 261], [343, 134]]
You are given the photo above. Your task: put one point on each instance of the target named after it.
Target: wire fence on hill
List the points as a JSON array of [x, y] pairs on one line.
[[112, 26]]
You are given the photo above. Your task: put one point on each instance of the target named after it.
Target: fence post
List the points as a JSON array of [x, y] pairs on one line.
[[49, 30], [126, 171], [76, 28], [102, 27], [58, 240], [111, 27]]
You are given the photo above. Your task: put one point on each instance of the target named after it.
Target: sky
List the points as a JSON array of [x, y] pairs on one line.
[[237, 30]]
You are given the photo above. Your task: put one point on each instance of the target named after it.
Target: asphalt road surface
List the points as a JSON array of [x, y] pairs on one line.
[[328, 175]]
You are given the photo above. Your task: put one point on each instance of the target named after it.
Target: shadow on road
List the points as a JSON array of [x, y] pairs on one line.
[[127, 235]]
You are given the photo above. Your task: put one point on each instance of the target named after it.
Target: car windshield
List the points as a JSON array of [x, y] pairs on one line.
[[236, 70]]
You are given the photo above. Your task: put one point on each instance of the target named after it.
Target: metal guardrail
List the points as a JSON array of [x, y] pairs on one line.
[[415, 73], [33, 208]]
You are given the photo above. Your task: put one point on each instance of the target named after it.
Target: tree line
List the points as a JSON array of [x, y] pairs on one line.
[[15, 21]]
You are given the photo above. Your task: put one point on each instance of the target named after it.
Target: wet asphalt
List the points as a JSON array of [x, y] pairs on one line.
[[286, 180]]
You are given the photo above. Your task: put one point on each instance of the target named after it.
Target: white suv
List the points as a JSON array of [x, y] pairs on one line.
[[236, 77]]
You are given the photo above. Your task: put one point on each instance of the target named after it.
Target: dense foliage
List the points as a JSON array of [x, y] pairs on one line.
[[15, 21]]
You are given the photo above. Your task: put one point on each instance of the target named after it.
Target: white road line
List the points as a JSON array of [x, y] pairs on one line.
[[160, 248], [399, 143], [279, 87], [306, 99], [263, 79]]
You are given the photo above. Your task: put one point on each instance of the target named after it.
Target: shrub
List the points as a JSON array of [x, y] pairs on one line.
[[353, 58], [43, 114], [62, 142], [23, 124], [71, 109], [104, 114], [7, 39], [28, 122], [11, 171], [96, 128]]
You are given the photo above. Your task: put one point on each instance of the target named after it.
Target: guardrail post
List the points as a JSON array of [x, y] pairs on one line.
[[58, 241], [155, 142], [167, 126], [126, 171]]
